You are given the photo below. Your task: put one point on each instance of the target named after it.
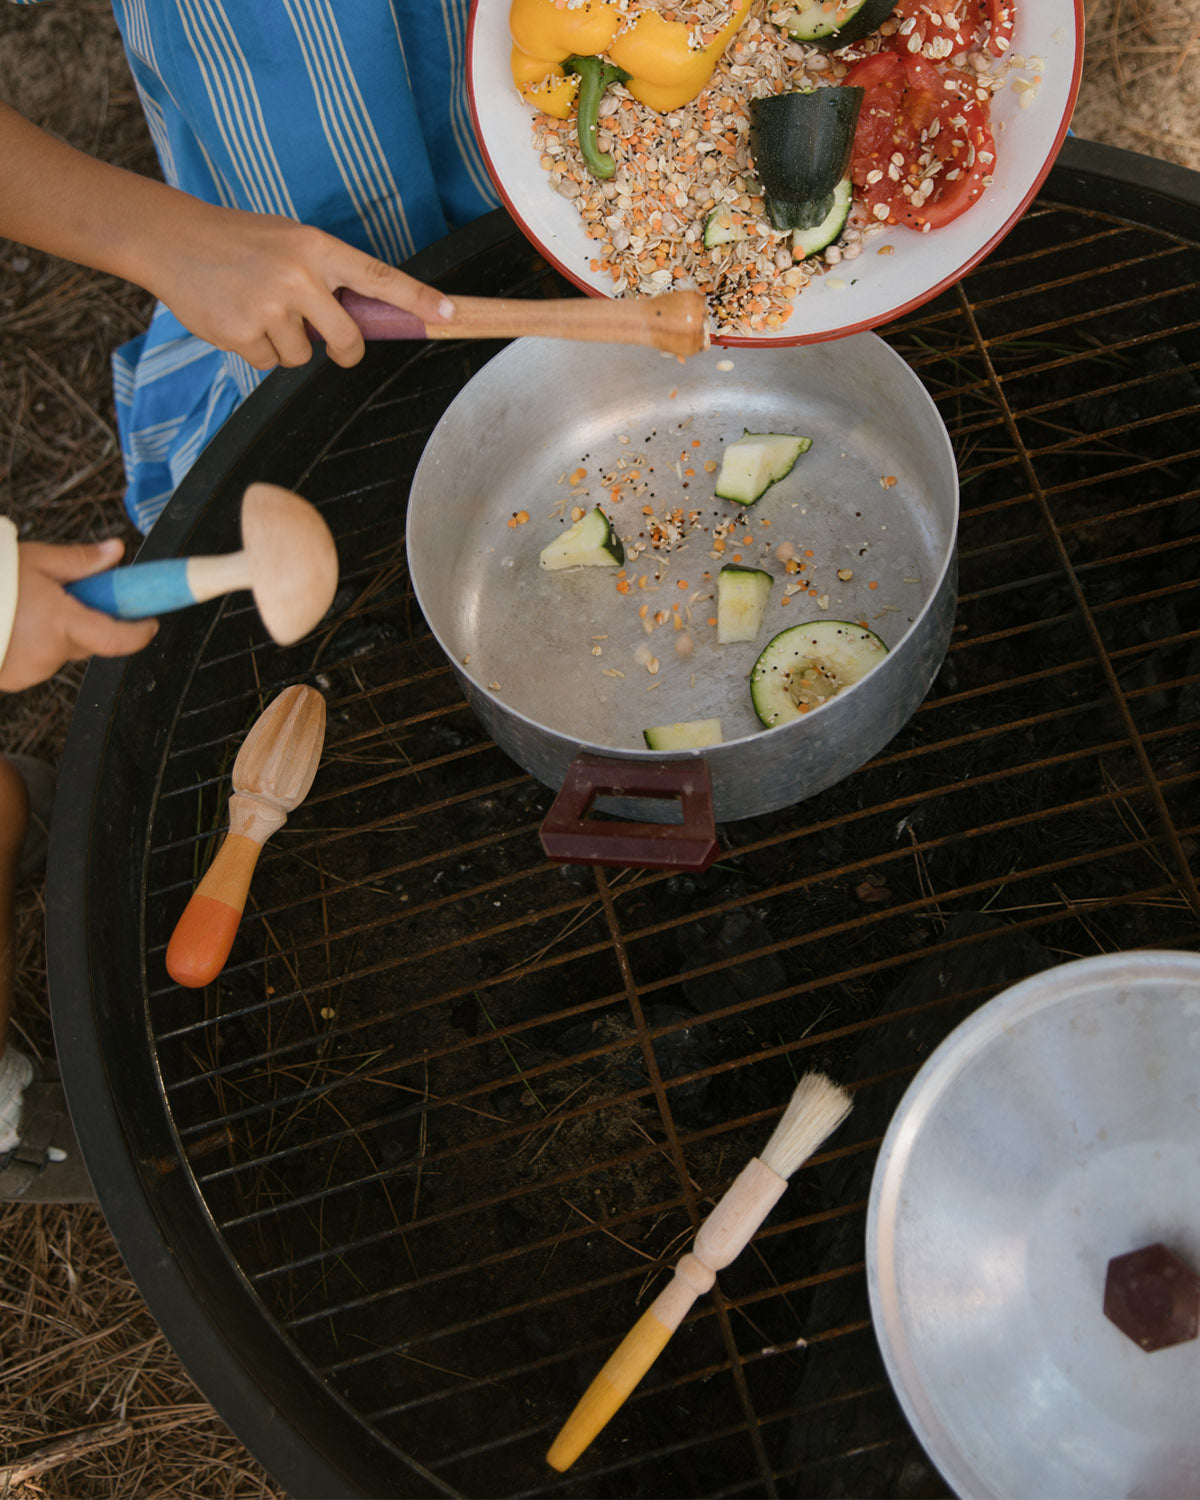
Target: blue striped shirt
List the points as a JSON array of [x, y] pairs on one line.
[[349, 116]]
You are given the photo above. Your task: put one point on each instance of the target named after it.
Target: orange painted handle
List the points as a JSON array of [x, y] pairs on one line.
[[205, 932]]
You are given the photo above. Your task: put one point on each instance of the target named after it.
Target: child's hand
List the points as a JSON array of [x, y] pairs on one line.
[[250, 282], [242, 281], [51, 627]]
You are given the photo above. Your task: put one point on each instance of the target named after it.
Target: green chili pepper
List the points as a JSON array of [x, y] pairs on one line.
[[595, 76]]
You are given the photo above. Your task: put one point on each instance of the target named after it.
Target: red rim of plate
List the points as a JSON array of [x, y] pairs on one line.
[[738, 341]]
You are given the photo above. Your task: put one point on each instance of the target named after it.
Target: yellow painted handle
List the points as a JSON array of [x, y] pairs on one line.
[[611, 1388]]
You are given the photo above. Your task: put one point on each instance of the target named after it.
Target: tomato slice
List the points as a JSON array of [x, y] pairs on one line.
[[923, 147], [946, 30], [954, 27], [1001, 18]]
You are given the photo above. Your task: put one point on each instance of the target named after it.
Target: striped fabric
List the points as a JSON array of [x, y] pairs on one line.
[[352, 116]]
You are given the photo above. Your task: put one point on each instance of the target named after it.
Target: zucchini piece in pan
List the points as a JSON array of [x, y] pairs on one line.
[[590, 543], [801, 144], [719, 228], [742, 595], [806, 665], [690, 734], [830, 25], [750, 466], [806, 242]]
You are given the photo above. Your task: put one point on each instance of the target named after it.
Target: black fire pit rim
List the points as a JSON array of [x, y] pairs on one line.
[[275, 1425], [283, 1419], [1154, 192]]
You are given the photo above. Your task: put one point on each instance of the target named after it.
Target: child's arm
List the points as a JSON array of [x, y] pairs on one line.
[[48, 626], [242, 281]]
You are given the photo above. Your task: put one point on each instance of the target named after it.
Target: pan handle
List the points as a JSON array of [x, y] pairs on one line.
[[570, 836]]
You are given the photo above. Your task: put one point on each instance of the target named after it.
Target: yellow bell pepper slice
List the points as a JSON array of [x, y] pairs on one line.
[[544, 33], [665, 70], [544, 84], [545, 28]]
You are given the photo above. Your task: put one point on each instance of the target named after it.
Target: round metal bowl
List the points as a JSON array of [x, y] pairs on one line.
[[559, 663], [1056, 1129]]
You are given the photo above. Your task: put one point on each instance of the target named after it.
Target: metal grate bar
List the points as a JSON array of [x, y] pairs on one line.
[[1046, 675], [454, 1113]]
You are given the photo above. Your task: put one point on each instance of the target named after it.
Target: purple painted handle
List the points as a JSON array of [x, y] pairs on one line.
[[380, 320], [571, 837], [375, 319]]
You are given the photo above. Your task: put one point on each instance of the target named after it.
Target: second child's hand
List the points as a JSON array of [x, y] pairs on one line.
[[50, 628]]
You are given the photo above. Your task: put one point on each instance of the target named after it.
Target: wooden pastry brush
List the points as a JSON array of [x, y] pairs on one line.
[[815, 1111]]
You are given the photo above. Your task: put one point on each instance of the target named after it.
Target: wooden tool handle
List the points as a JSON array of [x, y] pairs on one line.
[[140, 590], [609, 1391], [675, 322], [632, 1357], [205, 932]]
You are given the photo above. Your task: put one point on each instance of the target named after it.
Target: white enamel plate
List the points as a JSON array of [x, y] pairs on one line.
[[1049, 37]]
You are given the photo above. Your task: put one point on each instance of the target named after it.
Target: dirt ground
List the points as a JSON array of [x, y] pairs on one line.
[[93, 1403]]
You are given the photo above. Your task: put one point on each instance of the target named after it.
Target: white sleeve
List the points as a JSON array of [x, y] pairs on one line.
[[8, 583]]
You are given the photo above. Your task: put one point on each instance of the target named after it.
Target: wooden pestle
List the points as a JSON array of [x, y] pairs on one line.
[[676, 322]]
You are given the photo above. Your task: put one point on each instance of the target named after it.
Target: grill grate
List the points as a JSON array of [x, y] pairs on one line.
[[452, 1111]]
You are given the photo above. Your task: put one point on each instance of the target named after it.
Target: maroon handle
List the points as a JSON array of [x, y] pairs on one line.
[[375, 319], [380, 320], [570, 836]]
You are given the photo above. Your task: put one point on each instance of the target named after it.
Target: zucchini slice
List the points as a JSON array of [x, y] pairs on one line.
[[806, 242], [590, 543], [756, 461], [742, 595], [689, 734], [801, 145], [831, 25], [719, 228], [806, 665]]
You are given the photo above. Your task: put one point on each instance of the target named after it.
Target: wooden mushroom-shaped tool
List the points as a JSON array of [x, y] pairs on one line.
[[271, 777], [676, 322], [288, 561], [817, 1107]]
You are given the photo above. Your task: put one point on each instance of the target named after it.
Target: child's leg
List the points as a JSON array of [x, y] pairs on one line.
[[40, 1161], [14, 821], [15, 1069]]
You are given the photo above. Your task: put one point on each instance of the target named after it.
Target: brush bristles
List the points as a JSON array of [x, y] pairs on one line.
[[815, 1111]]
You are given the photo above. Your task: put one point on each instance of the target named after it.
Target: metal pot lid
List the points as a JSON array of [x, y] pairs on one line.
[[1056, 1129]]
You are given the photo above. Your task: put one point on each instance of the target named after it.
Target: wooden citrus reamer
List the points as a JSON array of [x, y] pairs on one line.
[[816, 1109], [272, 774], [288, 561]]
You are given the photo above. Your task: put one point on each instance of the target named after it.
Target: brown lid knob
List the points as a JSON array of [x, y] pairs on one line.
[[1153, 1297]]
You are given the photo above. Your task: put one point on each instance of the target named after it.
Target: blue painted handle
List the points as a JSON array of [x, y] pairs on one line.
[[138, 591]]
